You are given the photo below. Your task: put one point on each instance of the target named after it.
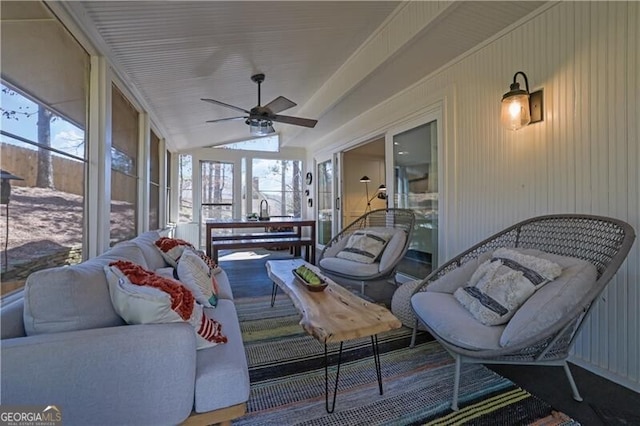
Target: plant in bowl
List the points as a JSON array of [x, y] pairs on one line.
[[309, 278]]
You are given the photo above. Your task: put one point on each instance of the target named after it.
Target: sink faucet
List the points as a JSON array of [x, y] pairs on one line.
[[264, 211]]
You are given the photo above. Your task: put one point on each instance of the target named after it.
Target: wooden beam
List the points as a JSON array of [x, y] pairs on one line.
[[222, 416]]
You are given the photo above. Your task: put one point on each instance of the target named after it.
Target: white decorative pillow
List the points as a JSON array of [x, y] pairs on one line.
[[199, 277], [142, 297], [501, 285], [172, 248], [364, 246]]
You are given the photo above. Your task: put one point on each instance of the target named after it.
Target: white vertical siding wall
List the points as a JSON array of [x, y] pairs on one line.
[[584, 157]]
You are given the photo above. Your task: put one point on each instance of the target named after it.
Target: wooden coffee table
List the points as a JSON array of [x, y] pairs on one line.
[[334, 315]]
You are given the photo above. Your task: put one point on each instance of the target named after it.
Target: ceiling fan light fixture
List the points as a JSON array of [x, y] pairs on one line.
[[260, 127]]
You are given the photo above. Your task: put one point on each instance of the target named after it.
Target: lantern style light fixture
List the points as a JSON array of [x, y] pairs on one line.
[[519, 107]]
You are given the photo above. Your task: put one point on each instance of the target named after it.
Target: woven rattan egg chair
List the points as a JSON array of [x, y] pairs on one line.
[[542, 331], [396, 223]]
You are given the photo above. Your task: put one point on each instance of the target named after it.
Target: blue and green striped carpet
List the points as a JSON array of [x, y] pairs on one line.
[[287, 380]]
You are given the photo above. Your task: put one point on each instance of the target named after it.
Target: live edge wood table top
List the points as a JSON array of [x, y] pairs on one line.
[[335, 314]]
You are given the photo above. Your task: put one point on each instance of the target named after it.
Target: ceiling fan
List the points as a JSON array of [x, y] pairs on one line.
[[260, 118]]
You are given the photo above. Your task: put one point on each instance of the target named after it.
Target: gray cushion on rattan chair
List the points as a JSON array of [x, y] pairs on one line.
[[590, 249], [396, 223]]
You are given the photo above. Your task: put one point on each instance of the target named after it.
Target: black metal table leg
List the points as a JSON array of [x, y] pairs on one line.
[[274, 291], [326, 380], [376, 359]]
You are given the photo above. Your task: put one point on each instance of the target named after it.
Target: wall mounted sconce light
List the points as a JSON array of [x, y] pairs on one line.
[[519, 107]]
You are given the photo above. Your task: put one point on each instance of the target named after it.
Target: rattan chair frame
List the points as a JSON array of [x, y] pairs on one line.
[[389, 218], [605, 242]]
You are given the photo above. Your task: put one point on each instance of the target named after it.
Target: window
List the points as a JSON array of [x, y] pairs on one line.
[[124, 168], [154, 182], [185, 189], [42, 142], [268, 144], [168, 178], [280, 183]]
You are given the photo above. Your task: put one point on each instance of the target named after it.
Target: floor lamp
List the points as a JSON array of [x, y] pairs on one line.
[[365, 179], [381, 193]]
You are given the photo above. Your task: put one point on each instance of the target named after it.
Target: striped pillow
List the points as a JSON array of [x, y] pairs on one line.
[[197, 275], [142, 297], [502, 284], [364, 246]]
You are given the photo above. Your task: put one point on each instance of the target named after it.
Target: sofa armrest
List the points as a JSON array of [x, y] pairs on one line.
[[134, 374]]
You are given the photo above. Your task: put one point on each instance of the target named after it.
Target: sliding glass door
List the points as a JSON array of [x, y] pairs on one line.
[[328, 203], [415, 171]]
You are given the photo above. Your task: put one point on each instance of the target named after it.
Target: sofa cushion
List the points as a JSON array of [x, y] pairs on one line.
[[552, 302], [146, 242], [501, 285], [364, 246], [142, 297], [222, 376], [196, 274], [172, 248], [74, 297], [224, 286], [450, 320]]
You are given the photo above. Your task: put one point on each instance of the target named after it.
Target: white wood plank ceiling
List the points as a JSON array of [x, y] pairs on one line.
[[334, 59]]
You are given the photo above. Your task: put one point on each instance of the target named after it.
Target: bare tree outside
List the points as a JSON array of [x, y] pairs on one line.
[[44, 178]]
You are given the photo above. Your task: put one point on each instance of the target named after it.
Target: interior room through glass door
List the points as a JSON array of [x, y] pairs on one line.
[[415, 158], [217, 193]]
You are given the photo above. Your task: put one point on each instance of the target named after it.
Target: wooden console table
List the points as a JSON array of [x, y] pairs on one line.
[[261, 239], [334, 315]]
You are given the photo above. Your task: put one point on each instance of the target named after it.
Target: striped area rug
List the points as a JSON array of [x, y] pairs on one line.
[[287, 379]]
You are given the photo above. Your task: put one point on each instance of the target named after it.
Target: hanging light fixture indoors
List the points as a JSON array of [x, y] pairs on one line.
[[519, 107]]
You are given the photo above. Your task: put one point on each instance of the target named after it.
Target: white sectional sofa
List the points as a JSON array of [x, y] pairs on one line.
[[64, 345]]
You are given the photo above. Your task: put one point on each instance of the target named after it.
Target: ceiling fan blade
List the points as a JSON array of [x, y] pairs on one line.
[[213, 101], [298, 121], [227, 119], [280, 104]]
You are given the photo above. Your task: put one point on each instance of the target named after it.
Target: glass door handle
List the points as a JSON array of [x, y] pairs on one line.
[[337, 203]]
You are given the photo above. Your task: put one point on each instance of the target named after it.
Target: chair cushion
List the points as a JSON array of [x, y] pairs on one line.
[[442, 313], [458, 277], [393, 250], [501, 285], [142, 297], [364, 246], [349, 267], [76, 297], [222, 376], [552, 302]]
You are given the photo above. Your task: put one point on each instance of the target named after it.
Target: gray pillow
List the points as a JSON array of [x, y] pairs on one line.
[[552, 302]]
